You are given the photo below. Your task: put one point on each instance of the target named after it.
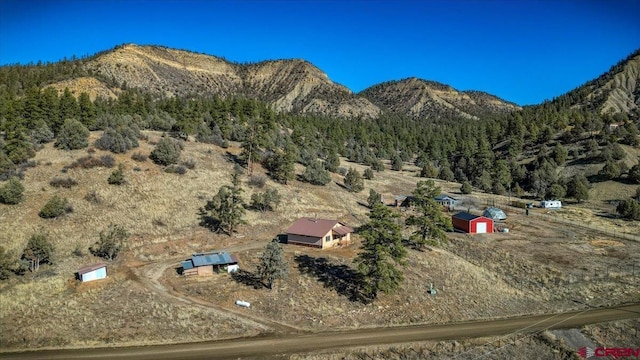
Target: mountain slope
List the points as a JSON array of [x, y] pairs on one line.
[[429, 99], [616, 91], [288, 85]]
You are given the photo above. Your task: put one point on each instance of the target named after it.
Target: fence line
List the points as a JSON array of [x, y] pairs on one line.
[[549, 216]]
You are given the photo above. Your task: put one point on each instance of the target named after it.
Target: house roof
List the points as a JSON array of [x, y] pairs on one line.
[[316, 227], [466, 216], [89, 268], [442, 197]]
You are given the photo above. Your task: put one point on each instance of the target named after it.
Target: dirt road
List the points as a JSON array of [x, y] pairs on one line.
[[287, 344]]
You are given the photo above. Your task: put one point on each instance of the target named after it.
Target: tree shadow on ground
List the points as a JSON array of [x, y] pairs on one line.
[[234, 159], [247, 278], [341, 278]]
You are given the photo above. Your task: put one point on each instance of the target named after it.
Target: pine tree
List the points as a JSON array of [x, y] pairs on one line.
[[227, 207], [272, 265], [428, 219], [353, 181], [374, 198], [381, 252], [466, 187]]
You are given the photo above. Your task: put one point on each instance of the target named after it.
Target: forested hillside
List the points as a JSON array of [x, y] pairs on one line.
[[511, 150]]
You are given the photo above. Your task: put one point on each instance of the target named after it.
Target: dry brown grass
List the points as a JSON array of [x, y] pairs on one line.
[[477, 280]]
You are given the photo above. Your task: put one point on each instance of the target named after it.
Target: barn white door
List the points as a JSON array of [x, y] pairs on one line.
[[481, 227]]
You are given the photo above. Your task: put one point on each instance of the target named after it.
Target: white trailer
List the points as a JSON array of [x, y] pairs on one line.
[[551, 204]]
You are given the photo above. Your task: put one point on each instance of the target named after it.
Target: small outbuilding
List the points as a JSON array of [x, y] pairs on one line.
[[551, 204], [472, 224], [320, 233], [92, 272], [446, 201], [206, 263], [495, 214]]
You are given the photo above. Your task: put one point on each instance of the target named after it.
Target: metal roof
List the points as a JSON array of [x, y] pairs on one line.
[[203, 259], [89, 268], [444, 197], [465, 216], [187, 264]]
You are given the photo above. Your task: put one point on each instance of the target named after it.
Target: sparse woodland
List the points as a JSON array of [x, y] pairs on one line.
[[559, 149]]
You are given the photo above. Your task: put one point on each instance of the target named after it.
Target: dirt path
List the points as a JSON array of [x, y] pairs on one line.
[[149, 275], [302, 343]]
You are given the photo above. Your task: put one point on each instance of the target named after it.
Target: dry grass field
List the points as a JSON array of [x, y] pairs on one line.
[[539, 266]]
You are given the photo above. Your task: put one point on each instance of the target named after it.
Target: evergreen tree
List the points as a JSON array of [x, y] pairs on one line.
[[315, 174], [68, 108], [368, 173], [72, 135], [272, 265], [611, 170], [578, 188], [227, 207], [39, 250], [117, 176], [396, 163], [86, 111], [381, 252], [7, 263], [466, 187], [280, 165], [629, 209], [374, 198], [111, 241], [333, 162], [428, 219], [11, 192], [634, 173], [353, 181]]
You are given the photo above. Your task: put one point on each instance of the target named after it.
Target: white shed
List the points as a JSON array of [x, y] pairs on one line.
[[92, 272], [551, 204]]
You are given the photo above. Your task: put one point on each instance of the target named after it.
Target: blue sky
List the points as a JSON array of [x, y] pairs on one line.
[[523, 51]]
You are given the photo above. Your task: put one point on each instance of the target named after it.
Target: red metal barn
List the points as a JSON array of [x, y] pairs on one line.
[[472, 224]]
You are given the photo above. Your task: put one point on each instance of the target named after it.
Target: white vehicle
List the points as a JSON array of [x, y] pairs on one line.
[[551, 204]]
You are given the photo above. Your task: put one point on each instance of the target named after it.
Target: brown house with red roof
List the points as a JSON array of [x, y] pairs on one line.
[[320, 233]]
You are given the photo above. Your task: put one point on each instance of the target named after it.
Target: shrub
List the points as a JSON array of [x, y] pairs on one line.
[[65, 183], [118, 140], [110, 242], [117, 176], [56, 206], [176, 169], [11, 192], [629, 209], [88, 162], [139, 157], [167, 152], [268, 200], [108, 161], [93, 197], [72, 135], [257, 181], [189, 164]]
